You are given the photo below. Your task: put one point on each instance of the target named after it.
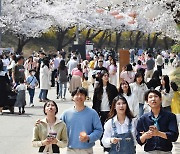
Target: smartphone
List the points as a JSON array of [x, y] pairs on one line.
[[152, 127]]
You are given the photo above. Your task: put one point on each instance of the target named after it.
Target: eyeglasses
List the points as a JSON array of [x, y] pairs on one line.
[[101, 61]]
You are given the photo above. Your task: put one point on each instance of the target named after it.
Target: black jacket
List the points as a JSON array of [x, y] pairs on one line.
[[113, 92]]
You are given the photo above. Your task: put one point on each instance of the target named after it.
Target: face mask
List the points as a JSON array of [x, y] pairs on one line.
[[33, 73]]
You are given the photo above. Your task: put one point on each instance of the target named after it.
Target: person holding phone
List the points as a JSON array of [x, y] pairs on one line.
[[158, 128], [119, 130], [50, 133]]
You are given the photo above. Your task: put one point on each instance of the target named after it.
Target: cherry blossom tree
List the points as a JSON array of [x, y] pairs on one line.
[[31, 18]]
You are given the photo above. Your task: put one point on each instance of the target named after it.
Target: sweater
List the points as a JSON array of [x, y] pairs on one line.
[[87, 121]]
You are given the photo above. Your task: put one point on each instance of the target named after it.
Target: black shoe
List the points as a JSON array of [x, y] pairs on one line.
[[19, 112], [23, 112]]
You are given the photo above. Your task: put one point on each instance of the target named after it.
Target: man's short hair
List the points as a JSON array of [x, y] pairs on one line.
[[19, 58], [79, 90], [151, 91]]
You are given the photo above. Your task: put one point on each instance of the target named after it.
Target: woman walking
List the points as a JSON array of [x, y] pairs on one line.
[[62, 79], [45, 80], [104, 94], [50, 133], [119, 130]]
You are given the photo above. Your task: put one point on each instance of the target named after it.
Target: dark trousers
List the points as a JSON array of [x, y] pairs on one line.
[[53, 75], [103, 117], [159, 68], [31, 94], [57, 88]]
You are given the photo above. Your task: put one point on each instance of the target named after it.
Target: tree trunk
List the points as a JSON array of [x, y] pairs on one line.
[[91, 37], [110, 37], [130, 39], [22, 41], [101, 39], [149, 41], [139, 35], [118, 39], [165, 43], [60, 37], [154, 41]]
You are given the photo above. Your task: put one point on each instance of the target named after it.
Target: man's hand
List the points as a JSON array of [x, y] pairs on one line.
[[83, 137], [154, 131]]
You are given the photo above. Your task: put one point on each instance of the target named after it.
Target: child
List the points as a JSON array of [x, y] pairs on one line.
[[20, 99], [85, 84], [31, 83]]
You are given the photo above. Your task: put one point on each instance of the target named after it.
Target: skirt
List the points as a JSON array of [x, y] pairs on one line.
[[74, 83]]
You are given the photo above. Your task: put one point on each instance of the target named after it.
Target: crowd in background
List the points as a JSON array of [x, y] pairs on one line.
[[68, 72]]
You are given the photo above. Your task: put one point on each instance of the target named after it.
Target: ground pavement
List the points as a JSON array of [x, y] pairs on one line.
[[16, 130]]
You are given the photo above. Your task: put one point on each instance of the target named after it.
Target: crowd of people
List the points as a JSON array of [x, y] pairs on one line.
[[140, 110]]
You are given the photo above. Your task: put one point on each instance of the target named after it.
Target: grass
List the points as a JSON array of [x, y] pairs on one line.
[[176, 76]]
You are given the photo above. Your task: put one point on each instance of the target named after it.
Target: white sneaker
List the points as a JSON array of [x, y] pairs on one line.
[[31, 105], [1, 113]]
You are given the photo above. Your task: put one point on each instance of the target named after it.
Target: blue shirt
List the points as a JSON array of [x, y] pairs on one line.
[[32, 81], [87, 121], [167, 123]]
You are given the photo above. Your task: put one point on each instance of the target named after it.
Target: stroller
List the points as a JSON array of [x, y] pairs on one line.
[[11, 101]]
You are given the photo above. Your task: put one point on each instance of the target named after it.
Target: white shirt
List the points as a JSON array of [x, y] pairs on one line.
[[132, 103], [105, 101], [166, 98], [55, 63], [139, 91], [71, 64], [21, 87], [121, 128], [6, 62]]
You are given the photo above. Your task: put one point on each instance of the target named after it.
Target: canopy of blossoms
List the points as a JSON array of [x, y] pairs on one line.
[[33, 17]]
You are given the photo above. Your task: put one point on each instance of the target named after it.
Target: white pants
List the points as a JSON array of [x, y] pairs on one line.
[[79, 151]]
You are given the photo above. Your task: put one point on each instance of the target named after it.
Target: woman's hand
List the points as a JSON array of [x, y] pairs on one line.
[[37, 122], [114, 140], [54, 140], [47, 141]]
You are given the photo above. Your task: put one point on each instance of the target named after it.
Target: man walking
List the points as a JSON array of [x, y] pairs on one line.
[[158, 128], [83, 125]]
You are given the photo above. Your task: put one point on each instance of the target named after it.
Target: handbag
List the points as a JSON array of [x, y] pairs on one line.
[[28, 88]]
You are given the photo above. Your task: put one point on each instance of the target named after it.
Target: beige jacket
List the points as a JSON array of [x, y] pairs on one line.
[[41, 130]]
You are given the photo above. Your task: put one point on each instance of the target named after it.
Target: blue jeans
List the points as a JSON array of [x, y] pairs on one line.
[[31, 94], [141, 109], [61, 89], [43, 94]]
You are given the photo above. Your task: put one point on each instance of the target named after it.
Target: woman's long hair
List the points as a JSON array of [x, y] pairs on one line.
[[79, 67], [62, 65], [121, 90], [139, 75], [99, 88], [45, 62], [114, 62], [167, 83], [113, 111], [156, 75]]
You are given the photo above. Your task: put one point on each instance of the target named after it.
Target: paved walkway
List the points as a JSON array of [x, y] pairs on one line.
[[16, 131]]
